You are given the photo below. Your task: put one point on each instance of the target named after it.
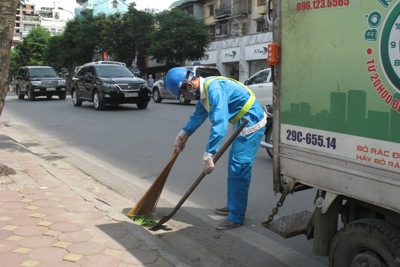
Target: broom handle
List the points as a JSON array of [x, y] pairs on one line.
[[216, 157]]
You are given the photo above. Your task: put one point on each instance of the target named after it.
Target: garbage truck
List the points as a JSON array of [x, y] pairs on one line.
[[336, 128]]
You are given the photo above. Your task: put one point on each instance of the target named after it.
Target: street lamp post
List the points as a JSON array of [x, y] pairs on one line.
[[61, 8]]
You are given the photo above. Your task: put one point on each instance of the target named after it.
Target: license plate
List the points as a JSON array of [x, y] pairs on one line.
[[131, 94], [51, 89]]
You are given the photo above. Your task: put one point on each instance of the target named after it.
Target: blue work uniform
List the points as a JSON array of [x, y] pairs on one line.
[[220, 100]]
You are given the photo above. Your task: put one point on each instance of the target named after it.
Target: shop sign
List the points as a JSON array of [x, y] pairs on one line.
[[230, 55]]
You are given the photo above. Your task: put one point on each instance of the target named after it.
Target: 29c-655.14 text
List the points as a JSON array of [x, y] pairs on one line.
[[311, 139]]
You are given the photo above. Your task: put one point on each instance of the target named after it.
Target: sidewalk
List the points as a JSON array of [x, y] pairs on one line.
[[46, 220]]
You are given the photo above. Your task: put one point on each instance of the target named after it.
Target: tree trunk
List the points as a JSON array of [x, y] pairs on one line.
[[7, 13]]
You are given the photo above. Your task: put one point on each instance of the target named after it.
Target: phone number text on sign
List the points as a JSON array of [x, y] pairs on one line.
[[319, 5]]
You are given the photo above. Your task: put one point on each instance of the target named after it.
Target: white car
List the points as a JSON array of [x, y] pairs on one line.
[[261, 85]]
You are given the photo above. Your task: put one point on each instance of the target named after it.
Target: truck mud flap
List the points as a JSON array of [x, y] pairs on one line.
[[290, 225]]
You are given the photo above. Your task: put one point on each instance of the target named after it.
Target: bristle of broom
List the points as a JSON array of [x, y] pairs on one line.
[[146, 205]]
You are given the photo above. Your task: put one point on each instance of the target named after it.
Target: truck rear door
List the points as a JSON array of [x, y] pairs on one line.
[[337, 104]]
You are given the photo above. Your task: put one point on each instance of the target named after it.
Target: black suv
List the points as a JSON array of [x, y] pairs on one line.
[[108, 84], [36, 81]]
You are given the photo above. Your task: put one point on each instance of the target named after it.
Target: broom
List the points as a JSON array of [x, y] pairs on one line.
[[166, 218], [148, 202]]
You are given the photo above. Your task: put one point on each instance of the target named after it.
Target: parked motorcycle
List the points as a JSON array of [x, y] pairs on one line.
[[268, 131]]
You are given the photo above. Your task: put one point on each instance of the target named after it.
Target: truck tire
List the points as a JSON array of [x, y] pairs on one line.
[[157, 95], [366, 242]]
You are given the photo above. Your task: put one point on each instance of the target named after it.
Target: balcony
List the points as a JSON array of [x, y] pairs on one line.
[[221, 13], [31, 18], [231, 12], [86, 8]]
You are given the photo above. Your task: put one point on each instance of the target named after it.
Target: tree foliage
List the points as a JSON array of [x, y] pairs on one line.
[[179, 37], [77, 45], [126, 37], [30, 51], [115, 37], [55, 52]]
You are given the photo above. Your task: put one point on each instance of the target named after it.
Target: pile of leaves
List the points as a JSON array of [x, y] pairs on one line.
[[141, 220]]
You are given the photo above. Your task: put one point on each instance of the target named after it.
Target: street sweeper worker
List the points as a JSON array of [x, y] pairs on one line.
[[223, 101]]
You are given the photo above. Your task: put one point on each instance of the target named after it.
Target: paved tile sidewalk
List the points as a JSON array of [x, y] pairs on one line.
[[45, 221]]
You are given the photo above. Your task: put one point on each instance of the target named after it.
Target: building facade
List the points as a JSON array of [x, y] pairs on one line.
[[53, 18], [25, 19], [239, 32], [101, 7]]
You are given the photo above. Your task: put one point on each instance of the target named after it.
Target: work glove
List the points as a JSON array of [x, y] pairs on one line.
[[208, 163], [180, 140]]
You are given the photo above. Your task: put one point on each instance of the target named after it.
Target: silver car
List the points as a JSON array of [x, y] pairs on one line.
[[160, 93], [261, 85]]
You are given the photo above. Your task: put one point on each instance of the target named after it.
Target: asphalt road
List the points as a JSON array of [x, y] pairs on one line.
[[126, 148]]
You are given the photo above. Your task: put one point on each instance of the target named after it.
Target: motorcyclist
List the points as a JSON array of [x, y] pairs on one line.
[[223, 100]]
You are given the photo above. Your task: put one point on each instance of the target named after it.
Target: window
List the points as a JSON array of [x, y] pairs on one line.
[[260, 25], [235, 27], [218, 30], [22, 73], [261, 2], [211, 10], [42, 72], [206, 72], [91, 70], [260, 77], [221, 29], [82, 71], [225, 6], [211, 31]]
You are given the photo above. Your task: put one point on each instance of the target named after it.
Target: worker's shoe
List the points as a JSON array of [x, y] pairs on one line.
[[223, 211], [227, 224]]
